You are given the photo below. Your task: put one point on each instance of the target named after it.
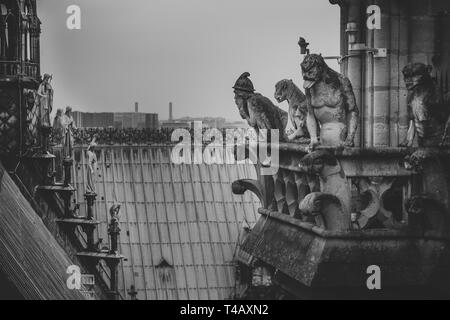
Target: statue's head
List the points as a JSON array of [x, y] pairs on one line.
[[243, 87], [46, 77], [314, 162], [416, 205], [114, 211], [281, 89], [415, 74], [314, 69], [417, 160], [68, 110], [59, 112]]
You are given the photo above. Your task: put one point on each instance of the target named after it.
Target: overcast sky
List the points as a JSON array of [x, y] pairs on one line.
[[186, 51]]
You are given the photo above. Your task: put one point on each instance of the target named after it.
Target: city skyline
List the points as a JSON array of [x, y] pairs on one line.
[[95, 70]]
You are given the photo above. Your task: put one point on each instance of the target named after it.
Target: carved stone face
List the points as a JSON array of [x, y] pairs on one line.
[[314, 162], [281, 91], [415, 74], [311, 165], [240, 98], [416, 161], [313, 69]]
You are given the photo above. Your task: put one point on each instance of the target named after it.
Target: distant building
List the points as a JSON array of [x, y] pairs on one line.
[[208, 122], [175, 124], [235, 125], [119, 120]]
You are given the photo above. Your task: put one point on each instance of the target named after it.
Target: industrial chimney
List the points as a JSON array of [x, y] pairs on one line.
[[170, 111], [136, 107]]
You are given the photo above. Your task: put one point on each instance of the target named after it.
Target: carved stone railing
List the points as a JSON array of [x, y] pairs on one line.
[[14, 68], [320, 228], [378, 185]]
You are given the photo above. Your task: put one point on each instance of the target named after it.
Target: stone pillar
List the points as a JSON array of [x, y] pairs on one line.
[[114, 232], [403, 36], [45, 134], [90, 200], [381, 80], [442, 63], [114, 284], [422, 28], [89, 230], [353, 9], [67, 163]]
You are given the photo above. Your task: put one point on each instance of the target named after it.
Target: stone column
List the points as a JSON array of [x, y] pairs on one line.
[[354, 63], [67, 163], [90, 200], [381, 80]]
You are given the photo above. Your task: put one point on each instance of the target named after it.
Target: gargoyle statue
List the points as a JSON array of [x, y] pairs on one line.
[[434, 179], [433, 203], [331, 104], [332, 204], [427, 214], [286, 90], [114, 211], [258, 110], [428, 110]]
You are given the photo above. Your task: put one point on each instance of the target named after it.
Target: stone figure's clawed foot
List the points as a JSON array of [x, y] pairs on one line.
[[313, 145], [266, 163]]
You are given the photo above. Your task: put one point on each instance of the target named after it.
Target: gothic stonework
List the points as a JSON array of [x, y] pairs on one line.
[[428, 110], [331, 104], [258, 110], [9, 121], [286, 90]]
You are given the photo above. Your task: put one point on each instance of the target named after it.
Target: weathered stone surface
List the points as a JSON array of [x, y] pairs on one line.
[[330, 101], [320, 259], [286, 90], [428, 110], [258, 110]]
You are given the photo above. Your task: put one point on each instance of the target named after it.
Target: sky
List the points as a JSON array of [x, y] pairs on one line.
[[189, 52]]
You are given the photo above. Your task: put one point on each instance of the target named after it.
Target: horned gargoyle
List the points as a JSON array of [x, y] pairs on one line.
[[330, 207], [432, 204]]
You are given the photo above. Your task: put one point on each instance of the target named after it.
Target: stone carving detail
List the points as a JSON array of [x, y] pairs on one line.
[[9, 122], [324, 210], [32, 122], [69, 126], [334, 199], [286, 90], [44, 99], [258, 110], [58, 128], [331, 103], [433, 174], [369, 207], [239, 187], [92, 168], [429, 210], [428, 110], [427, 214], [114, 212]]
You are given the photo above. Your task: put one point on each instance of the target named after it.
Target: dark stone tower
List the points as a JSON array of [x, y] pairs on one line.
[[19, 76]]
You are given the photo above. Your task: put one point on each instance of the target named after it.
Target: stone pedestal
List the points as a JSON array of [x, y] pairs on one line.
[[67, 164], [90, 200]]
